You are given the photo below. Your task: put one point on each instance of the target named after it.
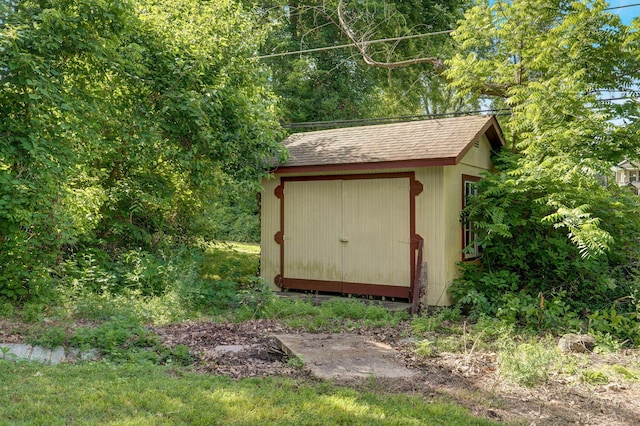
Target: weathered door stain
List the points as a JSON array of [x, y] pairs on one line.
[[354, 230]]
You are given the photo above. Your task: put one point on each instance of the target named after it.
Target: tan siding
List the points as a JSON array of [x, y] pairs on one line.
[[474, 163], [479, 156], [376, 231], [312, 230], [430, 225], [453, 227], [270, 224]]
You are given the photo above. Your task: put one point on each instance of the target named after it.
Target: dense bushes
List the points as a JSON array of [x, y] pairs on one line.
[[532, 274], [558, 245], [123, 126]]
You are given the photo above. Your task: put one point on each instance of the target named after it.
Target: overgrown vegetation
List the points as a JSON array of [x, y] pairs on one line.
[[523, 356], [559, 245], [133, 132], [128, 130]]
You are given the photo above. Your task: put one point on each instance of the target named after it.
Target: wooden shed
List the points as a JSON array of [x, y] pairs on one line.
[[361, 210]]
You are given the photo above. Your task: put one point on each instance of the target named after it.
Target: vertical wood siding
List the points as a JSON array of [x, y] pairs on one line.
[[430, 223], [269, 225], [312, 230], [376, 242]]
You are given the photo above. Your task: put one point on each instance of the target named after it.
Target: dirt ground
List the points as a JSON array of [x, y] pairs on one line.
[[469, 379]]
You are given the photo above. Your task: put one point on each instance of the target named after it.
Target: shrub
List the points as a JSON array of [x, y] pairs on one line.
[[606, 324], [535, 270]]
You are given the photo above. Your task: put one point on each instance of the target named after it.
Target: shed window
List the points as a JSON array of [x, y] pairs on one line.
[[469, 243]]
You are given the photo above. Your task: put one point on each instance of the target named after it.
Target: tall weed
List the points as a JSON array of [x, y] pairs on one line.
[[528, 363]]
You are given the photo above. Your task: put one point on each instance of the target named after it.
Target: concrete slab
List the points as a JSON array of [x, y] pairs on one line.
[[41, 354], [345, 356], [57, 355], [16, 351], [21, 351], [233, 348]]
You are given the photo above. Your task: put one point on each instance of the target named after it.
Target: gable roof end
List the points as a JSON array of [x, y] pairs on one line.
[[411, 144]]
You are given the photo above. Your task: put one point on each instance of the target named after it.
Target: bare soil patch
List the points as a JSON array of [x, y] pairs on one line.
[[470, 379]]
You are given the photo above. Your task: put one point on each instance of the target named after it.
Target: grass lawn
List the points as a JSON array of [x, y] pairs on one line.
[[145, 394]]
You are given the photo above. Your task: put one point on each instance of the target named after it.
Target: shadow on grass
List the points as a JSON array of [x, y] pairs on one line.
[[101, 393]]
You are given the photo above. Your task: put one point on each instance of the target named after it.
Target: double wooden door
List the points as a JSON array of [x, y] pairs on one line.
[[349, 235]]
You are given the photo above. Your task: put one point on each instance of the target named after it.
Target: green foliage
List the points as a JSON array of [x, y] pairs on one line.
[[538, 313], [296, 362], [233, 215], [337, 84], [425, 349], [6, 309], [606, 323], [442, 320], [47, 336], [173, 285], [120, 119], [520, 52], [557, 243], [594, 377], [536, 263], [124, 340], [528, 363]]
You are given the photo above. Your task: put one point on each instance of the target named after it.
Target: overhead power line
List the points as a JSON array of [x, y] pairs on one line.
[[623, 6], [384, 40], [402, 118], [405, 118], [342, 46]]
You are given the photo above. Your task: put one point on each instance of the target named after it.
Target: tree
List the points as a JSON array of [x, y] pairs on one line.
[[554, 65], [338, 83], [117, 120]]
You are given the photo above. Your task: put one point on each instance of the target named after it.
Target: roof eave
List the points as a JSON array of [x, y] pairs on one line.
[[494, 134], [403, 164]]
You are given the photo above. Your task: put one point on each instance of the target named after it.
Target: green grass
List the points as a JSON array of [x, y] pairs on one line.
[[231, 261], [333, 316], [135, 394]]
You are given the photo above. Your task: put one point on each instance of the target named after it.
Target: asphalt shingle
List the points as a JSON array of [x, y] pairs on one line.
[[444, 139]]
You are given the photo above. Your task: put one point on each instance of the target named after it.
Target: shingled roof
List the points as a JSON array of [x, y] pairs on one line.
[[412, 144]]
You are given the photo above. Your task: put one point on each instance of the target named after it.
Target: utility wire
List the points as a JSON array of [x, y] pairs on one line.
[[342, 46], [402, 118], [623, 6], [405, 118], [383, 40]]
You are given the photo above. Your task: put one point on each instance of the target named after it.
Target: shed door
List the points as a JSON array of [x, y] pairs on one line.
[[347, 235], [312, 230], [376, 249]]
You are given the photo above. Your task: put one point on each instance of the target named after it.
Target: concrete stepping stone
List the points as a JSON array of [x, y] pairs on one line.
[[345, 356]]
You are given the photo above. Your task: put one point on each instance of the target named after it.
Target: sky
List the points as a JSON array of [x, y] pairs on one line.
[[628, 13]]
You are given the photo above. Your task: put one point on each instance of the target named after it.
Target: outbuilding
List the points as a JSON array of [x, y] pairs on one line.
[[369, 210]]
